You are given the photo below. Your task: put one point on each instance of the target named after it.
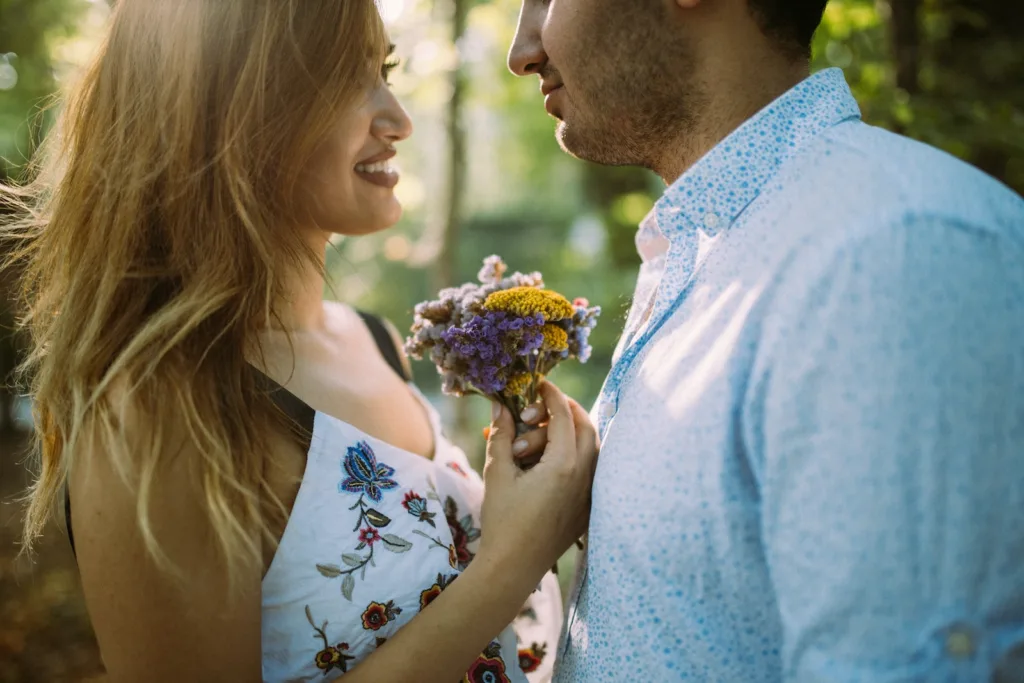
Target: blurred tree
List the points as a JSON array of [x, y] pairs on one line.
[[947, 72], [28, 32]]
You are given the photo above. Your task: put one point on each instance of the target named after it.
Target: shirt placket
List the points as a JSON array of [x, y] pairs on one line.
[[679, 268]]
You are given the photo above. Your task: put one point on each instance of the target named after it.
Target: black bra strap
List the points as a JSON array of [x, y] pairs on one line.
[[67, 517], [386, 344]]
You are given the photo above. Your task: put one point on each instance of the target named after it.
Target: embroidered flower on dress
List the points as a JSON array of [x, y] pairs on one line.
[[378, 615], [488, 667], [453, 556], [429, 595], [329, 658], [365, 474], [369, 535], [416, 505], [457, 468], [531, 657], [463, 532]]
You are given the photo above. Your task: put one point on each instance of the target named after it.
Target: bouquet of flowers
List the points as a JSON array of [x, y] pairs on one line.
[[501, 337]]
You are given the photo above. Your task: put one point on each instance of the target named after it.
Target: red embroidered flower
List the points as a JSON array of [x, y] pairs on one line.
[[410, 497], [460, 540], [377, 615], [463, 532], [368, 535], [429, 595], [374, 617], [531, 657], [327, 658], [487, 670], [458, 468]]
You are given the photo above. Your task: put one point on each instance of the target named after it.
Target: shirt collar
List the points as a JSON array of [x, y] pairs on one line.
[[712, 194]]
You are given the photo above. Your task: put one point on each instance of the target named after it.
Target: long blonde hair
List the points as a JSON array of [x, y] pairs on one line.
[[157, 232]]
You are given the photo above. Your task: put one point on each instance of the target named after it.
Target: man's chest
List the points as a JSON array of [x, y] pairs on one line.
[[674, 455], [674, 547]]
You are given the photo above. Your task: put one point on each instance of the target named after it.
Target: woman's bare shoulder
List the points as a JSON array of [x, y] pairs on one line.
[[175, 618]]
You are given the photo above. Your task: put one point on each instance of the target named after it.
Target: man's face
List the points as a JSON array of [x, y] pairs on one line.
[[615, 73]]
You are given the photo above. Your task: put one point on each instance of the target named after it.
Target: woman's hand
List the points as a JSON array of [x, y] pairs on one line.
[[530, 518]]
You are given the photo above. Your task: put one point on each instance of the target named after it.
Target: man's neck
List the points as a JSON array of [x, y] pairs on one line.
[[735, 97]]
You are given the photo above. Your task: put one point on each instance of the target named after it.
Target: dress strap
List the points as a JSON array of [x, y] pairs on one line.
[[385, 343]]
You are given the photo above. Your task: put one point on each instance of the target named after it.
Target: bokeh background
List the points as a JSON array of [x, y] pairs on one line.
[[483, 175]]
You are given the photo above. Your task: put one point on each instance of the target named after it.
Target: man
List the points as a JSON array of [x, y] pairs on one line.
[[813, 430]]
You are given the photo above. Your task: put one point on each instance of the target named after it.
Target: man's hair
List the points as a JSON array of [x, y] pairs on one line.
[[791, 23]]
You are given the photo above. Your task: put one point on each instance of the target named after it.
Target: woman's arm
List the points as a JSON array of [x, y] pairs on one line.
[[528, 520], [152, 627]]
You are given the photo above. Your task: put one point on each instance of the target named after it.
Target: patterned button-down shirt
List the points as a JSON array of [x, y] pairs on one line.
[[813, 431]]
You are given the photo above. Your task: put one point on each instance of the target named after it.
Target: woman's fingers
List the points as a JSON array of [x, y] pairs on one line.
[[561, 431], [499, 444], [531, 443], [534, 414], [586, 434]]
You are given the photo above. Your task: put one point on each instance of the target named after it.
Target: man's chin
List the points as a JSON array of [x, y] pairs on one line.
[[571, 143], [589, 147]]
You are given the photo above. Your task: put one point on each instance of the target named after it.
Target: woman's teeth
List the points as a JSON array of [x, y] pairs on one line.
[[379, 167]]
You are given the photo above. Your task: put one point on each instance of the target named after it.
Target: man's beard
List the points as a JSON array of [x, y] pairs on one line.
[[631, 102]]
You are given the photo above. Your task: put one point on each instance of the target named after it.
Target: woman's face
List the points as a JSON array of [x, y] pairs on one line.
[[351, 177]]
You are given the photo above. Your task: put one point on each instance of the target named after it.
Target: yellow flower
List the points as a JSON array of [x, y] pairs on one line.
[[555, 338], [525, 301], [518, 384]]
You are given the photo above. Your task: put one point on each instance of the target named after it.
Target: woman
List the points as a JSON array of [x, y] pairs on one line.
[[257, 492]]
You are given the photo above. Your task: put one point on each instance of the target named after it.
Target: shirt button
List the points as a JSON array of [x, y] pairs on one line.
[[959, 643], [608, 411], [711, 221]]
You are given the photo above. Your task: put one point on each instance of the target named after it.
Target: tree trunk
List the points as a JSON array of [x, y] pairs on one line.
[[446, 266], [906, 44]]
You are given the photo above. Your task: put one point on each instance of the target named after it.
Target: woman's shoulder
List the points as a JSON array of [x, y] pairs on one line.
[[133, 565]]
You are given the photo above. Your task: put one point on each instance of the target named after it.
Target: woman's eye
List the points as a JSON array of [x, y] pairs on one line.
[[387, 68]]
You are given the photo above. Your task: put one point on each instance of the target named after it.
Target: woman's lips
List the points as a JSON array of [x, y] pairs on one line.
[[380, 173]]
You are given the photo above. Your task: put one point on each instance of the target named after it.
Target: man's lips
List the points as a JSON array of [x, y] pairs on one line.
[[548, 88], [549, 91]]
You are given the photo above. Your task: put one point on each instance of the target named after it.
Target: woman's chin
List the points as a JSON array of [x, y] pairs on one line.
[[382, 216]]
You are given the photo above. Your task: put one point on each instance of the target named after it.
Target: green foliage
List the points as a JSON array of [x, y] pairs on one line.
[[965, 92], [29, 29]]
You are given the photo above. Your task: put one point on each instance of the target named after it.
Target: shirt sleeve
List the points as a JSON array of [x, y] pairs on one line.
[[891, 434]]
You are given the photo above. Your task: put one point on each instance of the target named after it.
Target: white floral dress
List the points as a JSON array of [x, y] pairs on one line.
[[376, 533]]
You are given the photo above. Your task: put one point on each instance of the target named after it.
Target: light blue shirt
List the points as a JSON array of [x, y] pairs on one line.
[[813, 446]]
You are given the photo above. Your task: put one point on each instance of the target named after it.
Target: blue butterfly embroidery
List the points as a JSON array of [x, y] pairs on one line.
[[365, 474]]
